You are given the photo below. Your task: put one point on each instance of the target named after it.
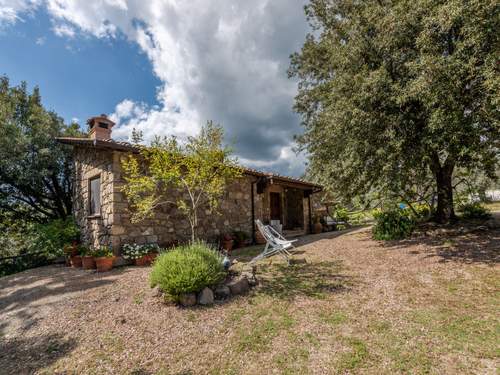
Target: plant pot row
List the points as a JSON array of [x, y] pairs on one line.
[[103, 264], [88, 262]]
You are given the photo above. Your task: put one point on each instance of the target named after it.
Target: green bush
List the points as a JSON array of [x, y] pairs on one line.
[[341, 214], [474, 210], [51, 237], [393, 224], [31, 245], [187, 269]]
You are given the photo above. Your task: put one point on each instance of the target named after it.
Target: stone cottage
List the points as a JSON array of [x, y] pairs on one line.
[[101, 209]]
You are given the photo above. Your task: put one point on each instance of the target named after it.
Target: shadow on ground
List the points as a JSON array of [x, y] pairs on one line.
[[462, 242], [24, 296], [33, 353], [63, 281], [316, 280]]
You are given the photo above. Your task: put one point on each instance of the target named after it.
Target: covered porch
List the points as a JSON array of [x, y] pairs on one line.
[[285, 204]]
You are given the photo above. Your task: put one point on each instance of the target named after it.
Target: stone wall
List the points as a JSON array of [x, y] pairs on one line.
[[169, 225], [89, 163]]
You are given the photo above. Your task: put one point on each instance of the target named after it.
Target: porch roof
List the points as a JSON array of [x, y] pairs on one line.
[[110, 144]]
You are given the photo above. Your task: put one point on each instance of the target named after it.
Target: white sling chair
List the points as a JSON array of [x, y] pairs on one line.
[[275, 243]]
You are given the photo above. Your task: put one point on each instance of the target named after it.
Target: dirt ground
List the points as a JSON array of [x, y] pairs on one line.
[[424, 305]]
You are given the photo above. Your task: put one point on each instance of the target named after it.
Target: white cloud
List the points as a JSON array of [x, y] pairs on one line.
[[40, 41], [10, 10], [64, 30], [223, 60]]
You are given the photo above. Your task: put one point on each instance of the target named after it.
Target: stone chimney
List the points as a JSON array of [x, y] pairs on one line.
[[100, 127]]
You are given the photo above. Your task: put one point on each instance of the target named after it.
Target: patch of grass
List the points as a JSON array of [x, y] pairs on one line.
[[236, 315], [380, 326], [314, 280], [460, 332], [333, 318], [354, 358], [293, 361], [312, 339], [139, 298], [265, 325], [410, 358]]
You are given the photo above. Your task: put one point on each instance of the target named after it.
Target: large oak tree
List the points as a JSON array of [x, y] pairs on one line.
[[394, 93]]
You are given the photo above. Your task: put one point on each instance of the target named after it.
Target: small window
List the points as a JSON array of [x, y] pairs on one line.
[[95, 196], [103, 125]]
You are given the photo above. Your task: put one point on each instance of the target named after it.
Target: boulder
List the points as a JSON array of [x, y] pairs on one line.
[[252, 280], [239, 286], [188, 299], [206, 297], [222, 292]]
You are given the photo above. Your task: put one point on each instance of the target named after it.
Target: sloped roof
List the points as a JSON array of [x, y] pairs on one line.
[[110, 144]]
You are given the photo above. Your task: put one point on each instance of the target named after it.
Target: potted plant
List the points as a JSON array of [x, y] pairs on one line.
[[104, 259], [88, 261], [152, 252], [76, 257], [317, 227], [142, 255], [240, 238], [227, 242]]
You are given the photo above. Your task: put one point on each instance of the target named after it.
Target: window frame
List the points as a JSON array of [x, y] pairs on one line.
[[89, 206]]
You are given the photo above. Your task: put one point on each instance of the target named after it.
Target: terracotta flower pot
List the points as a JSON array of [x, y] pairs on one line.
[[76, 261], [227, 245], [88, 262], [152, 257], [146, 260], [142, 261], [104, 264], [318, 228]]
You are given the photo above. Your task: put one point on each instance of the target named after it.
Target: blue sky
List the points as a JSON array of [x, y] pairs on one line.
[[80, 76], [165, 67]]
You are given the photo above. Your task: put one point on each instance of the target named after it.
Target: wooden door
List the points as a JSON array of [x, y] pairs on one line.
[[275, 206]]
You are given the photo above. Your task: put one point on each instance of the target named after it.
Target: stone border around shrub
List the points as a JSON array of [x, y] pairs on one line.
[[238, 285]]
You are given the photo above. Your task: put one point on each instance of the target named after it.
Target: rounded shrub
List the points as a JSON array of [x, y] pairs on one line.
[[392, 224], [187, 269]]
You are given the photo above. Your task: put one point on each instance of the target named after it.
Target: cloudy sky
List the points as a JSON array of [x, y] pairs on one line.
[[165, 66]]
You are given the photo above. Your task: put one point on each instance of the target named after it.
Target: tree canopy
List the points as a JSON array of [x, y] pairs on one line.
[[398, 94], [35, 171]]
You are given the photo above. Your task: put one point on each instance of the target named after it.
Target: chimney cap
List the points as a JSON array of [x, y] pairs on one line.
[[102, 118]]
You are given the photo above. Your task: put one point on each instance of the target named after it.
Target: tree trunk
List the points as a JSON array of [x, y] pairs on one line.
[[444, 210]]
